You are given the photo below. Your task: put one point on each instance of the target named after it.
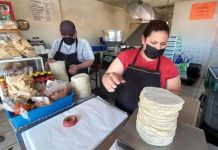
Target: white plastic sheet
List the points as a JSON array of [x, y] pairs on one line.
[[96, 120]]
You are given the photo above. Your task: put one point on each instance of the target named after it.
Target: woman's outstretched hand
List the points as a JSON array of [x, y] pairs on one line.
[[111, 80]]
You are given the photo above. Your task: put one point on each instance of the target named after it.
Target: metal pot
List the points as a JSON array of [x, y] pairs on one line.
[[113, 38], [113, 35]]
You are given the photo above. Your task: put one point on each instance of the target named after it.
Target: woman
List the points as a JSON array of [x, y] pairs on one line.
[[134, 69]]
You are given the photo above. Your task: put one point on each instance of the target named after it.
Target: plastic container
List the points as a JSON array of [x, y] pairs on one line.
[[211, 80], [193, 70], [209, 117], [38, 113], [210, 110]]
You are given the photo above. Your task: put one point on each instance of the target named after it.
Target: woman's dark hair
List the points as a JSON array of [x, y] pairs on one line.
[[156, 25]]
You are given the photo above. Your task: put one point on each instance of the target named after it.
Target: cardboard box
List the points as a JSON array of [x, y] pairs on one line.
[[38, 113]]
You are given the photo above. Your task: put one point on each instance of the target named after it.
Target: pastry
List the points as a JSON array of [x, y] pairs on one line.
[[24, 47], [8, 52], [20, 87]]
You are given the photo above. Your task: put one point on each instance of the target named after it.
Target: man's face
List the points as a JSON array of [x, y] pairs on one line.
[[69, 39]]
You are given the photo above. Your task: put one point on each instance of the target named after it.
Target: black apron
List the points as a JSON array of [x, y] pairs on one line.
[[69, 59], [127, 94]]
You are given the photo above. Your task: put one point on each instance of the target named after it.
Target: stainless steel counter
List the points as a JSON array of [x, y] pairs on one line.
[[186, 138]]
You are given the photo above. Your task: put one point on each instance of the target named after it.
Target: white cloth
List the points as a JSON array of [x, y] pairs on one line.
[[84, 50], [96, 120]]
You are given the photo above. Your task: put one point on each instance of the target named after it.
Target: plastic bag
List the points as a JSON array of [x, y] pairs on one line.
[[57, 89], [16, 108], [20, 87], [40, 101]]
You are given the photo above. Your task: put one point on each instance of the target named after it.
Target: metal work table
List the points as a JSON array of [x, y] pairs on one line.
[[186, 138]]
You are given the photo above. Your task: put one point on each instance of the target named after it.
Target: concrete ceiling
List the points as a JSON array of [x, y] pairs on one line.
[[153, 3], [117, 3]]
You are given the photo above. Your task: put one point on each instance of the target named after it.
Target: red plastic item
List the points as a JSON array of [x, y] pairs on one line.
[[70, 121]]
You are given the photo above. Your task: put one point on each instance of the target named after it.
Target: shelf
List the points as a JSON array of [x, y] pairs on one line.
[[35, 62], [19, 59], [9, 31]]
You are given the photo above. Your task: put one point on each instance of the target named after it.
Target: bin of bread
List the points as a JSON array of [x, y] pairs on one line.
[[25, 92]]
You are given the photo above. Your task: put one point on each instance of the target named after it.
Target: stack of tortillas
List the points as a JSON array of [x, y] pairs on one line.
[[59, 70], [157, 115], [81, 84]]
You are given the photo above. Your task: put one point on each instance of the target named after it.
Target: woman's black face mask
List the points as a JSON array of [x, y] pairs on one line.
[[152, 52], [69, 40]]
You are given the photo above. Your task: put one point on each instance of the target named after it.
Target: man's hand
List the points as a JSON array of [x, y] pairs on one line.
[[111, 80], [50, 60], [73, 69]]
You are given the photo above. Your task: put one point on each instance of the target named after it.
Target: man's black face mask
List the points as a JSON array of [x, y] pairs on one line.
[[152, 52], [69, 40]]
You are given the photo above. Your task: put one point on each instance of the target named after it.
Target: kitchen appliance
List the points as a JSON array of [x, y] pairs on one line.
[[108, 57], [142, 12], [113, 39]]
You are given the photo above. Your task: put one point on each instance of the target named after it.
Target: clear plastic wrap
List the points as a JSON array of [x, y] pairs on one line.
[[16, 108], [57, 89], [20, 87]]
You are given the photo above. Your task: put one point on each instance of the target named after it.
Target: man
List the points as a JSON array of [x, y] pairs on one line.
[[77, 53]]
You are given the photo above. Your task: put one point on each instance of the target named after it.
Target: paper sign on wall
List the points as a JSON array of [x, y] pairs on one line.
[[202, 10], [41, 10]]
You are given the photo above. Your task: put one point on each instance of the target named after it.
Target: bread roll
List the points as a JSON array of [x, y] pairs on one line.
[[8, 52], [24, 47], [20, 87]]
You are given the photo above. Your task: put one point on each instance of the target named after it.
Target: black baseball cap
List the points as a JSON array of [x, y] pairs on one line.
[[67, 27]]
